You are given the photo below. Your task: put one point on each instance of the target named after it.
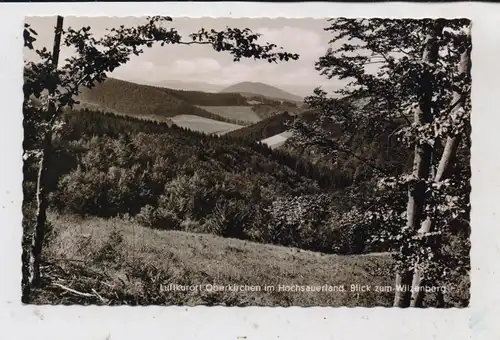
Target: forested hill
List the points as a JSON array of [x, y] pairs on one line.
[[266, 128], [187, 152], [172, 178], [208, 98], [273, 125], [142, 100]]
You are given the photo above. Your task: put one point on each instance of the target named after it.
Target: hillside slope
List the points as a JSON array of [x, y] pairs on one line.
[[263, 129], [104, 254], [262, 89], [270, 126], [124, 97]]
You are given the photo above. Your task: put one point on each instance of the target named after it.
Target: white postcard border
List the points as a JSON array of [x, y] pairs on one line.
[[75, 322]]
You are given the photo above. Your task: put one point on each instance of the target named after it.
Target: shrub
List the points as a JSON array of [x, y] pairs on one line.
[[295, 221], [110, 251], [158, 218], [82, 192], [229, 219]]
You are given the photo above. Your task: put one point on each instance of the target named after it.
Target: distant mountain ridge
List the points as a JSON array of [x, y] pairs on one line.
[[262, 89], [186, 85]]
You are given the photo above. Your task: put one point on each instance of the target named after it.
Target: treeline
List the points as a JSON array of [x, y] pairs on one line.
[[266, 110], [207, 98], [91, 123], [270, 101]]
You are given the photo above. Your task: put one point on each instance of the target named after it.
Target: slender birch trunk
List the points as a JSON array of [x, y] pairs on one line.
[[421, 163], [445, 165], [42, 180]]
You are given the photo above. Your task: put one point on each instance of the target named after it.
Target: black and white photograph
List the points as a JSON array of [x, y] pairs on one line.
[[217, 161]]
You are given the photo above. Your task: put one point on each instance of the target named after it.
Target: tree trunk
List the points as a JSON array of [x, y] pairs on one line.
[[443, 171], [421, 163], [41, 214], [42, 185]]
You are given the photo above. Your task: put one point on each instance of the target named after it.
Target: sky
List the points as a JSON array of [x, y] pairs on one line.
[[201, 63]]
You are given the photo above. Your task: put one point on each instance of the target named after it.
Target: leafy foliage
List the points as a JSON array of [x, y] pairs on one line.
[[421, 70]]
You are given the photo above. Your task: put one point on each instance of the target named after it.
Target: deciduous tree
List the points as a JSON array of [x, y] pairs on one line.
[[50, 88], [415, 73]]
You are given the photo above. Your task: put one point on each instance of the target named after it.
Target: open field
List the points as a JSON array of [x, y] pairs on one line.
[[242, 113], [119, 258], [201, 124], [277, 140], [253, 102]]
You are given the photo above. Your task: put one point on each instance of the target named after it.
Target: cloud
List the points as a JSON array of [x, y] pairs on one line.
[[184, 69], [202, 64], [309, 44], [194, 66]]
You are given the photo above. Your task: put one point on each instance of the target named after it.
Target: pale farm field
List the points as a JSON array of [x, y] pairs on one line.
[[242, 113], [202, 124]]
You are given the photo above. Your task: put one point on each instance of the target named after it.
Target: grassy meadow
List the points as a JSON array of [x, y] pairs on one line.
[[117, 261]]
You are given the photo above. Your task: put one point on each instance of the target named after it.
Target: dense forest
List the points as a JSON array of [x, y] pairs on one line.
[[231, 186], [113, 165], [208, 99]]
